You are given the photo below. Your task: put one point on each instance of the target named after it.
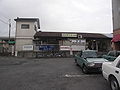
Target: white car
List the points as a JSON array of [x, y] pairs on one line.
[[111, 72]]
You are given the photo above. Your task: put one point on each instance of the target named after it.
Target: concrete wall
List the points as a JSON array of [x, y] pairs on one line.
[[25, 32], [24, 36], [116, 14], [20, 42]]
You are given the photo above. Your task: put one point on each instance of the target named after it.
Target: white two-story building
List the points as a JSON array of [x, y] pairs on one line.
[[25, 30]]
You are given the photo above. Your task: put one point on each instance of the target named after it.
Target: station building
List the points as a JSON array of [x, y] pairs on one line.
[[70, 43], [33, 43]]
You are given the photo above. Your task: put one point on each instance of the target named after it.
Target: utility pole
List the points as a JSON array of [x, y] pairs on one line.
[[9, 29]]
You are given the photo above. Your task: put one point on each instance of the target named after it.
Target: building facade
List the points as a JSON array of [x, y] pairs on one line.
[[116, 24], [58, 43], [68, 43], [33, 43], [116, 14], [25, 30], [7, 45]]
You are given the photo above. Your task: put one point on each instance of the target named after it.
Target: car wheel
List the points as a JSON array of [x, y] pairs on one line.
[[84, 69], [114, 84]]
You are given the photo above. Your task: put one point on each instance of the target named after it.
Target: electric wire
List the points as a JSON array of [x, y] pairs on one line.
[[3, 21]]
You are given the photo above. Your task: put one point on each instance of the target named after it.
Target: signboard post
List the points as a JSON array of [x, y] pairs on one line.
[[71, 53]]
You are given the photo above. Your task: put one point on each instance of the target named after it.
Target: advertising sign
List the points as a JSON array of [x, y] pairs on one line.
[[65, 48], [77, 48], [27, 47], [68, 35], [46, 47], [72, 48]]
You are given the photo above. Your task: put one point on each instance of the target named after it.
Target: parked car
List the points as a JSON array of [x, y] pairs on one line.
[[112, 55], [89, 61], [111, 72]]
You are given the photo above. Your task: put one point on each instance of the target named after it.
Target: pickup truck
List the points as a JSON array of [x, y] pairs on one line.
[[111, 72], [112, 55]]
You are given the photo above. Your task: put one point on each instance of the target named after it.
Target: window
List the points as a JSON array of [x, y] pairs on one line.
[[118, 64], [111, 53], [25, 26], [88, 54], [118, 53]]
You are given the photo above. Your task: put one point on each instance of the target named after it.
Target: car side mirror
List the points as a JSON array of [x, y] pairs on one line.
[[85, 58]]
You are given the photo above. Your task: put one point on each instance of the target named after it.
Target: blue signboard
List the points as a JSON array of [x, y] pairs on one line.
[[46, 47]]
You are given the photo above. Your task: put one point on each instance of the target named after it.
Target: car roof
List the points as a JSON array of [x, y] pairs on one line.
[[115, 50], [89, 51]]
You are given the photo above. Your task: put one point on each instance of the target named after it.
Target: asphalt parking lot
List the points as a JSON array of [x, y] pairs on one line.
[[47, 74]]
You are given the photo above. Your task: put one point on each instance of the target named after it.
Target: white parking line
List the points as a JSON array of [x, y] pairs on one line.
[[70, 76]]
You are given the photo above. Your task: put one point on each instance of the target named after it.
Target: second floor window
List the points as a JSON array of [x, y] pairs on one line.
[[25, 26]]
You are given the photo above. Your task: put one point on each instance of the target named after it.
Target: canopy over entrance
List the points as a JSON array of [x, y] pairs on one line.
[[116, 38]]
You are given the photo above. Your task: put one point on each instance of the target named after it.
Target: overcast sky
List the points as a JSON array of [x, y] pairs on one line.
[[93, 16]]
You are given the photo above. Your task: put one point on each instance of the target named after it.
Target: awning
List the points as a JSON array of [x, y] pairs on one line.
[[116, 38]]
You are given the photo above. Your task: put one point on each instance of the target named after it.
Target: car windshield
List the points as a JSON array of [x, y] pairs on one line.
[[89, 54], [118, 53]]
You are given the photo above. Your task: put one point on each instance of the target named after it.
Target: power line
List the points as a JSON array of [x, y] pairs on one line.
[[6, 17], [3, 21]]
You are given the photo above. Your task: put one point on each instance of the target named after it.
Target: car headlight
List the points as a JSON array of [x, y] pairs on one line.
[[91, 64]]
